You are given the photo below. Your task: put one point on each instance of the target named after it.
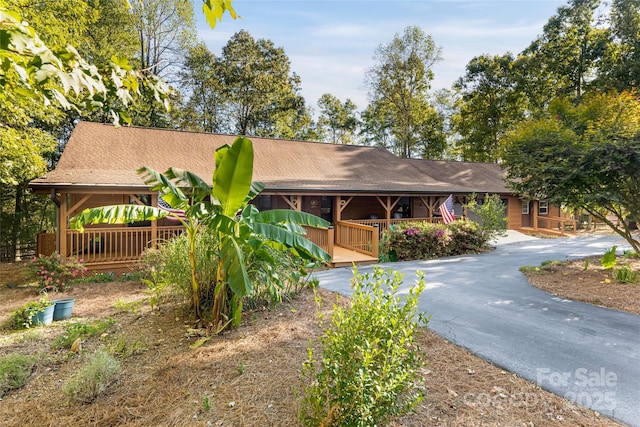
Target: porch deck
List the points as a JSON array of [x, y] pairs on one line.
[[343, 257]]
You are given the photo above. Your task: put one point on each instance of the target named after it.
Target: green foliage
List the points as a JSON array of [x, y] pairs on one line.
[[337, 122], [545, 267], [22, 318], [167, 272], [609, 258], [93, 378], [55, 273], [586, 156], [490, 214], [586, 264], [82, 330], [424, 240], [369, 369], [216, 208], [124, 347], [15, 369], [626, 275], [206, 403], [398, 85]]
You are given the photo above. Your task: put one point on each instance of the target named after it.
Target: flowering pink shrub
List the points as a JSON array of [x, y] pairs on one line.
[[54, 273], [424, 240]]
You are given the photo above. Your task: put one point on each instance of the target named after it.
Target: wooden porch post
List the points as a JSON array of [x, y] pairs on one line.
[[154, 223], [535, 215], [62, 226], [388, 207]]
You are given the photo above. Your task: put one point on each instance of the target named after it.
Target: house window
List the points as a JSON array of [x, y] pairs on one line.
[[263, 203], [525, 207], [543, 208]]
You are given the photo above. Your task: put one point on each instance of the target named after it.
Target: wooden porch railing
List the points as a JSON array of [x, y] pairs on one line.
[[115, 244], [358, 237], [382, 223], [323, 237], [555, 223]]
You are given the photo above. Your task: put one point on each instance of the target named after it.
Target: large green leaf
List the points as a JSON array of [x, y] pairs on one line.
[[288, 215], [115, 214], [232, 177], [282, 235], [161, 183], [199, 189], [233, 261]]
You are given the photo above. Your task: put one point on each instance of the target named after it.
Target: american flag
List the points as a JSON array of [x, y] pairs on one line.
[[175, 212], [446, 210]]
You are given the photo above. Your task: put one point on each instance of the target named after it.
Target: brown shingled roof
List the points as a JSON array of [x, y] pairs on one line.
[[105, 156]]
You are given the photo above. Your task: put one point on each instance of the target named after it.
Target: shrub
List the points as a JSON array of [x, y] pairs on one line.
[[424, 240], [55, 273], [22, 317], [369, 370], [93, 378], [167, 272], [15, 369], [490, 214]]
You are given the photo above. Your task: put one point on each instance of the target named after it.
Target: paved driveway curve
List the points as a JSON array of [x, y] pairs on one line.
[[588, 354]]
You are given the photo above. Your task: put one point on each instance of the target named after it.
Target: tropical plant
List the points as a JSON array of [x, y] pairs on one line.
[[224, 208]]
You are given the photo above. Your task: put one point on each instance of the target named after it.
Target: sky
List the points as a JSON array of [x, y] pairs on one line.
[[331, 43]]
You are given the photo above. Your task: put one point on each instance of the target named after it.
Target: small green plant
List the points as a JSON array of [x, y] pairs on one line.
[[631, 254], [206, 403], [22, 318], [369, 370], [609, 259], [586, 264], [98, 278], [626, 275], [15, 369], [93, 378], [128, 306], [544, 267], [82, 330], [124, 347], [241, 368], [55, 273]]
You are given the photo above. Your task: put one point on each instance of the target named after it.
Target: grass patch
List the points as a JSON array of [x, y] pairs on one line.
[[93, 378], [547, 266], [15, 369], [82, 330]]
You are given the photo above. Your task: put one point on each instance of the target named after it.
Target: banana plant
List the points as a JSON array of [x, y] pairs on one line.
[[223, 207]]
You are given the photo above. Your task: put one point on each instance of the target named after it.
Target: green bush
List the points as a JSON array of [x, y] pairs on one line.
[[609, 259], [370, 367], [167, 272], [491, 214], [93, 378], [424, 240], [15, 369]]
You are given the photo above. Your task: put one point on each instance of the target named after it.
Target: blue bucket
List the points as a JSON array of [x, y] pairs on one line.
[[63, 308], [43, 317]]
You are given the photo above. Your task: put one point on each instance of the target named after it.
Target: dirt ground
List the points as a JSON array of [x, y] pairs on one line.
[[250, 376]]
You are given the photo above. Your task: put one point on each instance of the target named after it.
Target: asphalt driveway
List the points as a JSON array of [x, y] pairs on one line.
[[588, 354]]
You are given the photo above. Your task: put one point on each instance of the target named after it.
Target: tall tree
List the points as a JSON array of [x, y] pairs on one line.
[[399, 82], [620, 68], [203, 108], [565, 57], [487, 106], [338, 121], [261, 92], [586, 157]]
